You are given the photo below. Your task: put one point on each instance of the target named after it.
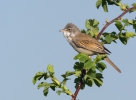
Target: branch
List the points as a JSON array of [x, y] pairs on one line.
[[119, 17], [79, 85]]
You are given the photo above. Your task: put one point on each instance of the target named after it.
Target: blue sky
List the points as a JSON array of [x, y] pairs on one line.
[[30, 40]]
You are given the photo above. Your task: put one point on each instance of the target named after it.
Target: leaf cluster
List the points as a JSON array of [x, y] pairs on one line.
[[91, 67], [107, 37], [104, 4], [55, 84]]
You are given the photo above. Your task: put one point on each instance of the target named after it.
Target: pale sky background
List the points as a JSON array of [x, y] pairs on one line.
[[30, 40]]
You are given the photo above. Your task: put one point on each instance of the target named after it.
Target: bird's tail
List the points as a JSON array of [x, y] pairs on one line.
[[112, 64]]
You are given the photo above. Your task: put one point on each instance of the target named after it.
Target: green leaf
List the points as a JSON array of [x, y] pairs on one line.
[[92, 27], [38, 76], [58, 92], [43, 84], [98, 82], [83, 31], [109, 39], [126, 22], [122, 6], [95, 30], [99, 75], [77, 73], [123, 39], [77, 80], [129, 34], [89, 82], [88, 64], [125, 36], [99, 58], [134, 27], [100, 66], [64, 81], [104, 5], [98, 3], [81, 57], [68, 73], [50, 69], [119, 25], [65, 90], [45, 91], [52, 87], [78, 66], [91, 23]]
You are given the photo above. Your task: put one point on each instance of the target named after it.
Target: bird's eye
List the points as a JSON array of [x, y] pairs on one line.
[[69, 29]]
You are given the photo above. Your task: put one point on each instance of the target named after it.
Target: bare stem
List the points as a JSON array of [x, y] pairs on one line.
[[79, 85], [117, 18]]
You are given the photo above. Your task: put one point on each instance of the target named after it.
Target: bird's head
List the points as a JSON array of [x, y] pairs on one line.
[[70, 30]]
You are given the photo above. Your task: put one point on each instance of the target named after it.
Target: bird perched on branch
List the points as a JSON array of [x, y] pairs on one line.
[[84, 43]]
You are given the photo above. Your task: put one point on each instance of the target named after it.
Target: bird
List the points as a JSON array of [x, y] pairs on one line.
[[84, 43]]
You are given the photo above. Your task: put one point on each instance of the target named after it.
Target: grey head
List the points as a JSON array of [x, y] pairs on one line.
[[70, 31]]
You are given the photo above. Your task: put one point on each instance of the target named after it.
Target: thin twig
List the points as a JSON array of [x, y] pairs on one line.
[[79, 85], [117, 18]]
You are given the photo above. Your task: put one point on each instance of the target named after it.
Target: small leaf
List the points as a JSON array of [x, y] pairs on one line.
[[100, 66], [64, 81], [119, 25], [123, 39], [129, 34], [122, 6], [98, 82], [126, 22], [50, 69], [77, 73], [88, 64], [125, 36], [95, 30], [89, 82], [109, 39], [43, 84], [83, 31], [98, 3], [68, 73], [92, 27], [81, 57], [99, 58], [87, 24], [99, 75], [134, 27], [78, 66], [38, 76], [45, 91], [104, 5], [52, 87], [91, 23], [58, 92]]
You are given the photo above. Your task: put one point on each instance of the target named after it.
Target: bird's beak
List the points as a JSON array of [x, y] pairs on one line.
[[62, 30]]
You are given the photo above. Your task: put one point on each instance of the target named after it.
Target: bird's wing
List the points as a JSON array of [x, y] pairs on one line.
[[87, 42]]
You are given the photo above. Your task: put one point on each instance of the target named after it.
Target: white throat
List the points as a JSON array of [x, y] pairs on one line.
[[68, 35]]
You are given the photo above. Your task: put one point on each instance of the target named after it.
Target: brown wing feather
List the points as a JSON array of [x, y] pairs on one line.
[[87, 42]]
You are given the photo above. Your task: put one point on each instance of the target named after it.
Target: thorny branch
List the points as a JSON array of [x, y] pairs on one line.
[[117, 18]]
